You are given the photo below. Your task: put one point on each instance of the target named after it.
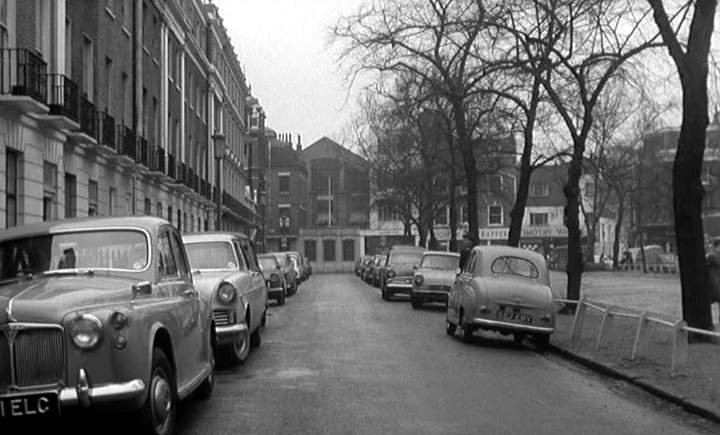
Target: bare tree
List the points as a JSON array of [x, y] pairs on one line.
[[691, 60]]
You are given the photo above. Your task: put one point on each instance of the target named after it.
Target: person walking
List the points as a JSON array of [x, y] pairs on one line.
[[465, 246]]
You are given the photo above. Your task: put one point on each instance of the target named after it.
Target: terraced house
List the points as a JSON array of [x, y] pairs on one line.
[[117, 107]]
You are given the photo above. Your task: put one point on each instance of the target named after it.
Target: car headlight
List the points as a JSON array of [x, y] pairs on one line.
[[419, 279], [391, 273], [226, 293], [87, 332]]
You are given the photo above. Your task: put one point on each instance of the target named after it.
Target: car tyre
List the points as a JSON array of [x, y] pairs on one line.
[[238, 352], [542, 342], [281, 298], [157, 416], [383, 290], [450, 328], [256, 336], [466, 332]]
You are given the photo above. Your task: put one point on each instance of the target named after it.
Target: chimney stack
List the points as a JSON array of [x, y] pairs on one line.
[[299, 143]]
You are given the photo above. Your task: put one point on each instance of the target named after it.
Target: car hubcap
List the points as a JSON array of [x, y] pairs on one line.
[[162, 400]]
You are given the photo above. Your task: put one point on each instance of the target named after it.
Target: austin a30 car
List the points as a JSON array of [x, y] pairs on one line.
[[503, 289], [227, 274], [434, 277], [100, 313]]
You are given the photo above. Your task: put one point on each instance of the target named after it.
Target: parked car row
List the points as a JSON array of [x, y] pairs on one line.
[[125, 314], [498, 288]]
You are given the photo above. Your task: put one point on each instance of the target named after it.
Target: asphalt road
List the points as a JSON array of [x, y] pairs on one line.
[[336, 359]]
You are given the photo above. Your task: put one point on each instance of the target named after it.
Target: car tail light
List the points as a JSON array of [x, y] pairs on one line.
[[419, 279]]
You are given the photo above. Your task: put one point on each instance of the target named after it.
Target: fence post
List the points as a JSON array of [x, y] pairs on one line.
[[641, 336], [605, 324], [680, 348], [578, 320]]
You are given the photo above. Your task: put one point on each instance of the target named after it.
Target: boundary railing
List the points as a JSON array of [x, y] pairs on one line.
[[678, 328]]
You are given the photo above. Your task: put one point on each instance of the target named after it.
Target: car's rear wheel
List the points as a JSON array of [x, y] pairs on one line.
[[450, 328], [281, 298], [157, 416], [256, 336], [466, 332]]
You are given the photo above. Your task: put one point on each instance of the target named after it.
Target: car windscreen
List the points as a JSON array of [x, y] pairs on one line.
[[211, 255], [125, 250], [444, 262], [405, 258], [267, 263], [282, 259], [515, 266]]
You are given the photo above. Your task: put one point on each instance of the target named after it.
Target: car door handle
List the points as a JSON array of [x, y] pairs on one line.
[[189, 293]]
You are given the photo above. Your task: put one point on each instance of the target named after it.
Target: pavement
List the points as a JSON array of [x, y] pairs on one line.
[[695, 389]]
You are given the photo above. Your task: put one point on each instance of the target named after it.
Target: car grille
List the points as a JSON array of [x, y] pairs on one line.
[[222, 318], [38, 356], [437, 288]]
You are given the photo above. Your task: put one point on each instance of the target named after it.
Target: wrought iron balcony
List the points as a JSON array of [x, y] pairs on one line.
[[190, 179], [128, 142], [23, 72], [182, 172], [88, 117], [142, 152], [63, 97], [171, 167], [157, 159], [107, 134]]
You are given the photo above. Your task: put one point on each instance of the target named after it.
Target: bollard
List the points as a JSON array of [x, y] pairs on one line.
[[642, 333], [605, 324], [680, 348], [578, 320]]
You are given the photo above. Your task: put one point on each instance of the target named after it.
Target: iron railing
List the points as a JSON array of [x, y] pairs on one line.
[[23, 72], [107, 134], [142, 152], [127, 142], [88, 117], [171, 167], [63, 97]]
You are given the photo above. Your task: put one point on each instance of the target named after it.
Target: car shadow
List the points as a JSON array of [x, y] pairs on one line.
[[492, 340]]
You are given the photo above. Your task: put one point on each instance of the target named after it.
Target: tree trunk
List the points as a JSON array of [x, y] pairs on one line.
[[422, 233], [518, 212], [575, 264], [468, 156], [618, 231], [688, 194], [453, 198]]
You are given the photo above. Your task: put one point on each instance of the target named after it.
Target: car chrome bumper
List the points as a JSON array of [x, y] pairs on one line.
[[131, 393], [396, 288], [227, 334], [430, 295], [275, 292], [497, 324]]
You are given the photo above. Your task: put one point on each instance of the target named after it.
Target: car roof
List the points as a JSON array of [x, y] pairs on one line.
[[211, 236], [411, 248], [446, 253], [148, 223], [509, 250]]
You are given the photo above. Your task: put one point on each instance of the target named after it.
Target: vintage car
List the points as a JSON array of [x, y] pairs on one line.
[[100, 313], [371, 272], [397, 274], [434, 278], [228, 276], [308, 266], [503, 289], [303, 273], [360, 265], [288, 271], [274, 277]]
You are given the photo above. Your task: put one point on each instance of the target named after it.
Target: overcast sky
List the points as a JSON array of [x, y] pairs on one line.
[[282, 47]]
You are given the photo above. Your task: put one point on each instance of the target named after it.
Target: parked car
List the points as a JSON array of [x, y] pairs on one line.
[[274, 277], [371, 272], [308, 266], [228, 276], [101, 313], [397, 274], [303, 273], [434, 278], [503, 289], [360, 265], [290, 275]]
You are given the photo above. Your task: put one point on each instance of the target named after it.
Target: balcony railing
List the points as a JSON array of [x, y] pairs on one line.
[[142, 153], [127, 141], [157, 159], [171, 167], [63, 97], [23, 72], [88, 118], [190, 179], [181, 176], [107, 130]]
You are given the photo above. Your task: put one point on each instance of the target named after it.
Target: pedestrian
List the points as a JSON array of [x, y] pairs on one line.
[[465, 246], [713, 264]]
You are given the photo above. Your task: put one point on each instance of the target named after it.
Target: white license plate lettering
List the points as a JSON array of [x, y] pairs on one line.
[[28, 406], [514, 316]]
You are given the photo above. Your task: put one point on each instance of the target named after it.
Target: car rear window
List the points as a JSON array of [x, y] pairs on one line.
[[444, 262], [405, 258], [515, 266], [267, 263], [211, 255]]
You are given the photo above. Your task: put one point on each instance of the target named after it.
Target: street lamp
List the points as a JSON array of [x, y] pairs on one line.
[[220, 151]]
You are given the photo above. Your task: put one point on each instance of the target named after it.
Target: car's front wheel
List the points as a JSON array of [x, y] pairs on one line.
[[239, 350], [256, 336], [415, 303], [281, 298], [157, 416], [450, 328]]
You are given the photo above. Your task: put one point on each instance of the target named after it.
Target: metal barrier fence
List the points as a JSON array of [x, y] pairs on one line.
[[678, 329]]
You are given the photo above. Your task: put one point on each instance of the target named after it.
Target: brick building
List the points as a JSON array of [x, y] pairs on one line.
[[111, 108]]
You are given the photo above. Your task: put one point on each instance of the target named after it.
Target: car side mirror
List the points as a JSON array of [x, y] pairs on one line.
[[141, 288]]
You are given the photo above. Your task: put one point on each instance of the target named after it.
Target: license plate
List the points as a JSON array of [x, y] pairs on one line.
[[514, 316], [29, 405]]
